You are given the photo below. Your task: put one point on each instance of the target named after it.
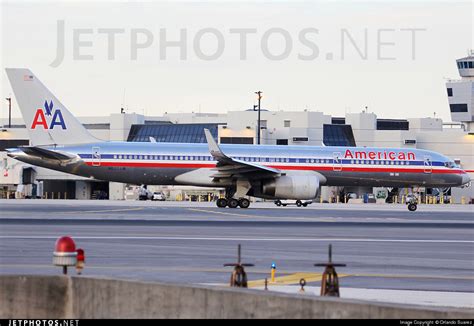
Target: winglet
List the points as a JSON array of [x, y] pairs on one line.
[[223, 159], [214, 149]]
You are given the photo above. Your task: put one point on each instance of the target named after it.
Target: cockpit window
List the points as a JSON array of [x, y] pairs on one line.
[[450, 165]]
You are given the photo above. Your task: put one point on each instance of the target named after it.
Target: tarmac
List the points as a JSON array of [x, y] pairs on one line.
[[384, 246]]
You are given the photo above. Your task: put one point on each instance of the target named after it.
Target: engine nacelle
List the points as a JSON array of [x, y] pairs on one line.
[[292, 187]]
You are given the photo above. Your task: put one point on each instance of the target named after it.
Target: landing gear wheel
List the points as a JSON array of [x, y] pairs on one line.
[[278, 203], [299, 203], [244, 203], [233, 203], [221, 202], [304, 205], [412, 207]]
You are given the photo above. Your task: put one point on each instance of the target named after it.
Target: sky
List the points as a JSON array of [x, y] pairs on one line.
[[392, 57]]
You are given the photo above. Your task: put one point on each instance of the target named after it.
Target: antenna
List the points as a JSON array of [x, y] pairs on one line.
[[122, 106]]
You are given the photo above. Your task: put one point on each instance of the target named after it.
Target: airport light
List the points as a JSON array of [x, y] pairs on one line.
[[273, 272], [65, 253], [81, 260], [302, 284]]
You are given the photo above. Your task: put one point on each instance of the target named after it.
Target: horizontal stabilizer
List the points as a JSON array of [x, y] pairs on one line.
[[42, 153]]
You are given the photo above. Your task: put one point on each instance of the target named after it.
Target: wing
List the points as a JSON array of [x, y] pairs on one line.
[[228, 167]]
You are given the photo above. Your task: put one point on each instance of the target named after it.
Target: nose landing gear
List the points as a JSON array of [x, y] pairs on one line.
[[412, 205]]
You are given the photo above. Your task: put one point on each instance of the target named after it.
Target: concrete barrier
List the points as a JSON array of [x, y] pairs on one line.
[[63, 297]]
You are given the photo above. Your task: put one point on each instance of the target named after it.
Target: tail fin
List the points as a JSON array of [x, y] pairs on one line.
[[47, 120]]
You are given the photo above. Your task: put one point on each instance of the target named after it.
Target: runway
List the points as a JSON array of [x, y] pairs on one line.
[[384, 247]]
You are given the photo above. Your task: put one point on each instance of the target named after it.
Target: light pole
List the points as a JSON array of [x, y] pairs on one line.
[[9, 99], [259, 93]]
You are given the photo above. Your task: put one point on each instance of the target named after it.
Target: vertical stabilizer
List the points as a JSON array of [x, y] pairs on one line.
[[46, 118]]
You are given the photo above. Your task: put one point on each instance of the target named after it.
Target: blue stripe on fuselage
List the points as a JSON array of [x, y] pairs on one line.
[[150, 157]]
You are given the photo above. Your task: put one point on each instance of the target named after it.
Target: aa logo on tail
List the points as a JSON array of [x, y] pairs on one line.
[[55, 118]]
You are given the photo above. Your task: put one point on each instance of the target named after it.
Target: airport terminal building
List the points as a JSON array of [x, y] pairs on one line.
[[454, 139]]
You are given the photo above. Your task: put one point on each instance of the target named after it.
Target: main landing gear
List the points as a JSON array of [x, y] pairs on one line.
[[232, 202]]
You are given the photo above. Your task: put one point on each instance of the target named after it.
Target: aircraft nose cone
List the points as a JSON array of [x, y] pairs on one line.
[[465, 178]]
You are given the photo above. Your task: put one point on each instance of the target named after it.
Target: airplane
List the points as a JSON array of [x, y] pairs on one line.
[[60, 142]]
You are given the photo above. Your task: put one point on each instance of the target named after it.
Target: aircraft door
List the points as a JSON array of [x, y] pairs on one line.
[[427, 164], [96, 156], [337, 162]]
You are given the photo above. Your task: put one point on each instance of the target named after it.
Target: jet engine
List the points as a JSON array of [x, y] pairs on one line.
[[292, 187]]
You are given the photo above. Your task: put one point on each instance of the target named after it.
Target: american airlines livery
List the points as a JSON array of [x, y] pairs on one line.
[[60, 142]]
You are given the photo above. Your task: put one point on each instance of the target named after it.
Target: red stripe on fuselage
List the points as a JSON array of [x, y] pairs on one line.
[[154, 165], [280, 167]]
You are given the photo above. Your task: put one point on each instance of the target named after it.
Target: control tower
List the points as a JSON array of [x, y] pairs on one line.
[[461, 93]]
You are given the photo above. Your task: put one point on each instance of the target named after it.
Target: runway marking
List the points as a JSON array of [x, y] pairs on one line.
[[437, 277], [331, 219], [135, 267], [105, 210], [290, 279], [308, 276], [218, 212], [153, 218], [306, 219], [242, 239]]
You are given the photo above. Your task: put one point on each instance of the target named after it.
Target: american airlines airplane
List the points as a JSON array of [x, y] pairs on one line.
[[60, 142]]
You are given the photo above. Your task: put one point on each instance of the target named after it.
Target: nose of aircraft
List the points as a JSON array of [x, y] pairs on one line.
[[465, 178]]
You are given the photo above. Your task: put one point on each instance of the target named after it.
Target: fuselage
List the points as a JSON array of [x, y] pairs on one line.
[[192, 164], [291, 172]]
